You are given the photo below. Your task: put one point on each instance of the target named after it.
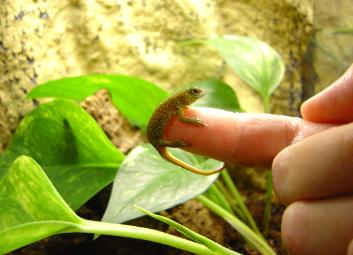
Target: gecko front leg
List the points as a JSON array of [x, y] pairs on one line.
[[193, 120]]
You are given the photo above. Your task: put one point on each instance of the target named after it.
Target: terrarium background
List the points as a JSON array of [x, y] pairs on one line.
[[43, 40]]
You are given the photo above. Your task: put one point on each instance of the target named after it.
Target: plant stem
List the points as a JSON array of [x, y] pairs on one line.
[[196, 237], [256, 240], [268, 203], [268, 196], [234, 191], [104, 228], [266, 103], [219, 198], [232, 202]]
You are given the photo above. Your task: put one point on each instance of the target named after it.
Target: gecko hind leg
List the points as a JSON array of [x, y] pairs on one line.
[[173, 144]]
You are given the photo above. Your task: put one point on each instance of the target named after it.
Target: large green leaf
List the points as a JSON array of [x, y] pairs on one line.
[[254, 61], [73, 150], [218, 95], [30, 207], [134, 97], [147, 180]]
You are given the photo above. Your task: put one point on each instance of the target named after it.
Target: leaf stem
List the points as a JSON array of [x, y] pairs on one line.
[[266, 102], [196, 237], [268, 203], [232, 202], [219, 198], [257, 240], [104, 228], [234, 191]]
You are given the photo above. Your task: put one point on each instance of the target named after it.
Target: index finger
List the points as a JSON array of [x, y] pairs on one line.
[[240, 138]]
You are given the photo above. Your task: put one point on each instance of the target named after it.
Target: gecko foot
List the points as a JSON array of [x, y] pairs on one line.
[[198, 122], [194, 120]]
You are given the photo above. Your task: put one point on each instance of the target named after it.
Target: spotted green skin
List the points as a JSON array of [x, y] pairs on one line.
[[170, 108], [160, 118]]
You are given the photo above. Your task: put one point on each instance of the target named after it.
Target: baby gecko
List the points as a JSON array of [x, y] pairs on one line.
[[173, 106]]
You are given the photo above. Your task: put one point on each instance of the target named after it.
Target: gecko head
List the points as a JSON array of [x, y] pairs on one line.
[[195, 93]]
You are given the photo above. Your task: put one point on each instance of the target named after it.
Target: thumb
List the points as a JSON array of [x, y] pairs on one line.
[[334, 104]]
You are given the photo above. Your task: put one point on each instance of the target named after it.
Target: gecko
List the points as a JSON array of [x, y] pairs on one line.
[[174, 106]]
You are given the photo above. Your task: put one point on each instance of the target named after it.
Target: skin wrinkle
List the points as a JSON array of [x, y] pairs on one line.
[[292, 130], [236, 148], [248, 139], [257, 150]]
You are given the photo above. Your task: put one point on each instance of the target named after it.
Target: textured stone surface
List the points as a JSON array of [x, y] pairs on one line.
[[334, 51], [42, 40]]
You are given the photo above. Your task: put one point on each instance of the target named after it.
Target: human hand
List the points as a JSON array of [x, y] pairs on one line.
[[315, 177], [317, 169]]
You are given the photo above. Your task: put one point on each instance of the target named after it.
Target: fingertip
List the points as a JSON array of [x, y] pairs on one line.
[[293, 232], [305, 109], [322, 227], [279, 176]]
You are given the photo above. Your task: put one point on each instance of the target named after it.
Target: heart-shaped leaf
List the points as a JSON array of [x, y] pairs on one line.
[[149, 181], [254, 61], [72, 149], [135, 98], [31, 208]]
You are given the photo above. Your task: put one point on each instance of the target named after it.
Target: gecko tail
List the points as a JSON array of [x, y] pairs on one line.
[[172, 159]]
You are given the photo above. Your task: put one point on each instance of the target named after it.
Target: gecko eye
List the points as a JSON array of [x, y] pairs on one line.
[[196, 92]]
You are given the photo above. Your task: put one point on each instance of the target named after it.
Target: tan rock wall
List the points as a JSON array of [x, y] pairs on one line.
[[334, 47], [42, 40]]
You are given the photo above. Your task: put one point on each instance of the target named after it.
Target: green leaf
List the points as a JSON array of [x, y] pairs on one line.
[[218, 95], [146, 179], [135, 98], [72, 149], [30, 207], [254, 61]]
